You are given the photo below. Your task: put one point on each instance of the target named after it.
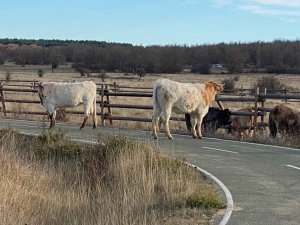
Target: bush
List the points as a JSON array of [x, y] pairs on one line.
[[82, 68], [7, 76], [40, 73], [206, 202], [270, 83], [141, 72], [229, 83], [236, 78]]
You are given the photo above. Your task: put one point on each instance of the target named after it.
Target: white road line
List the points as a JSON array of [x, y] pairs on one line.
[[295, 167], [228, 195], [251, 143], [222, 150]]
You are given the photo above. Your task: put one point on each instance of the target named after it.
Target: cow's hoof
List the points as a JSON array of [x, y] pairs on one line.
[[170, 138], [155, 137], [200, 137]]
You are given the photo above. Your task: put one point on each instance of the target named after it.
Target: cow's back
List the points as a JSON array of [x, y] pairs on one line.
[[182, 97], [68, 94]]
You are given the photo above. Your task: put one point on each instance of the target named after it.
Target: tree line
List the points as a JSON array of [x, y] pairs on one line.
[[279, 56]]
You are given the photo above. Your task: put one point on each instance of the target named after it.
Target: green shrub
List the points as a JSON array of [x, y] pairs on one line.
[[40, 72], [206, 202]]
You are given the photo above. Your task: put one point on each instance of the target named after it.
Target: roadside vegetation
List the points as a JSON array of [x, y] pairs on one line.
[[51, 179]]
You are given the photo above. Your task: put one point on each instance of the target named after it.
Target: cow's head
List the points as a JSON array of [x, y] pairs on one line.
[[216, 86], [210, 91]]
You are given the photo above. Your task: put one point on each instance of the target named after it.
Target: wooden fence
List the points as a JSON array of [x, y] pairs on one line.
[[255, 97]]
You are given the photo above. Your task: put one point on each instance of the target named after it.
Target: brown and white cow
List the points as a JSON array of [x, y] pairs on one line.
[[284, 120], [242, 125], [193, 99], [57, 95]]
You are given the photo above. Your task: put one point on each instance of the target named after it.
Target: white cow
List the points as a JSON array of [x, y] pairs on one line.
[[56, 95], [178, 97]]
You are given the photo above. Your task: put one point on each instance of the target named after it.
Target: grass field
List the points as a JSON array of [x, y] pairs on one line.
[[52, 180]]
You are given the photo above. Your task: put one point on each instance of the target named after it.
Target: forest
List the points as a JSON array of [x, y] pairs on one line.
[[278, 56]]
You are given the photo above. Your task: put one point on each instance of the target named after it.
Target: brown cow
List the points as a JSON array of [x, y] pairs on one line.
[[241, 125], [284, 120]]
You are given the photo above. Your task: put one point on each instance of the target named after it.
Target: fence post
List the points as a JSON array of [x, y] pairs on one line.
[[107, 99], [2, 99], [256, 109], [262, 118], [102, 105], [115, 87], [285, 92]]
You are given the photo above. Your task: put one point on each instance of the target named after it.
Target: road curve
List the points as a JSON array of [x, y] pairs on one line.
[[264, 180]]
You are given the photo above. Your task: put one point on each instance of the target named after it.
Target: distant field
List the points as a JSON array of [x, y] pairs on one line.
[[12, 67]]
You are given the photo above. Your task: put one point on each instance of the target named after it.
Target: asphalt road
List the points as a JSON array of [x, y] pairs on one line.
[[263, 180]]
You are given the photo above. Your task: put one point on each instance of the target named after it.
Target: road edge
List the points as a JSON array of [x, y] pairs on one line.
[[226, 191]]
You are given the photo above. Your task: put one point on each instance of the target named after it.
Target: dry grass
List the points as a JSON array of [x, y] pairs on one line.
[[52, 180]]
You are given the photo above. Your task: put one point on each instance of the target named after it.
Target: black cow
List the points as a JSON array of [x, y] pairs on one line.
[[213, 120]]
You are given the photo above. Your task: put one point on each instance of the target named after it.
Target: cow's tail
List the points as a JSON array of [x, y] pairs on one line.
[[156, 111], [155, 100], [156, 104]]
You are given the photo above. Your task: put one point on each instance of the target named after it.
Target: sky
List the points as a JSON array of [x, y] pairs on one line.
[[152, 22]]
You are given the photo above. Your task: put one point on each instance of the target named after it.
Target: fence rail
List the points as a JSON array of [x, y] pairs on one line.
[[255, 96]]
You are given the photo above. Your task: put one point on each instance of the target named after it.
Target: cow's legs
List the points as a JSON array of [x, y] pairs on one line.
[[52, 119], [167, 128], [199, 122], [94, 123], [155, 121], [194, 124], [94, 114], [84, 122], [166, 117], [86, 109]]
